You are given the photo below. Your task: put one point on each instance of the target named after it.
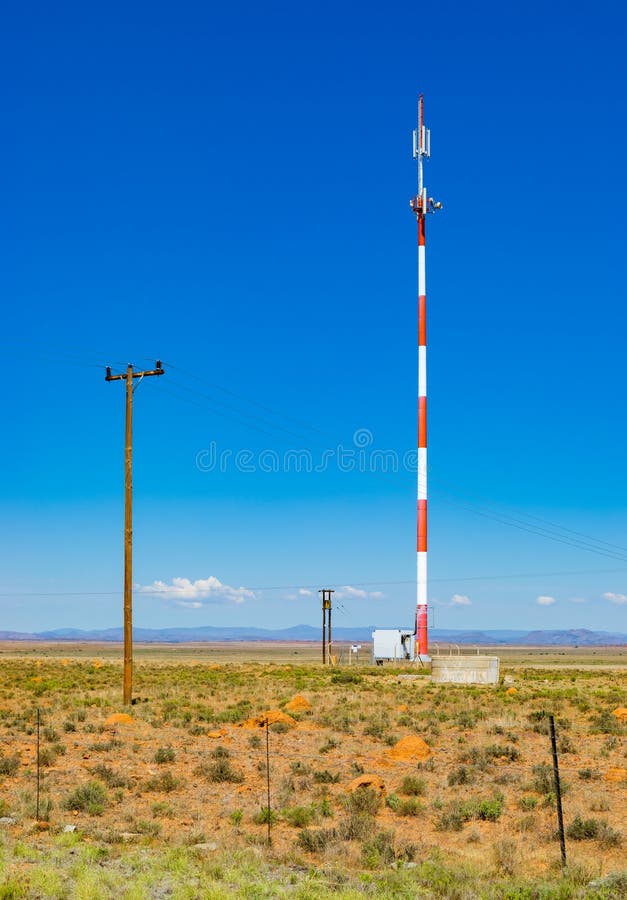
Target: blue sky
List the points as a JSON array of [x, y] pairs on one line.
[[226, 188]]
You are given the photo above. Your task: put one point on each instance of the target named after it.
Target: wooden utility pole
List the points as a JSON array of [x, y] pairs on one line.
[[326, 625], [128, 522]]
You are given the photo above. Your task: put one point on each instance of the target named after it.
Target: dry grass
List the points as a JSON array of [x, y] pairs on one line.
[[187, 772]]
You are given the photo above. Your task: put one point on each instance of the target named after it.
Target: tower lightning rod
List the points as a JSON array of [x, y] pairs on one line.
[[421, 205]]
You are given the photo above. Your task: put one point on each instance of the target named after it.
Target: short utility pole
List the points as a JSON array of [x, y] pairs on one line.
[[128, 522], [326, 618]]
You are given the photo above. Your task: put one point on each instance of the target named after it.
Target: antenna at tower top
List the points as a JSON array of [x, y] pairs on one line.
[[421, 204], [422, 135]]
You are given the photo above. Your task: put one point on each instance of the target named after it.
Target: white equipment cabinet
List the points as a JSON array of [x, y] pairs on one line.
[[393, 645]]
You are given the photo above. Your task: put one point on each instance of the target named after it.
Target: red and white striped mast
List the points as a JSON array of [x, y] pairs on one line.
[[422, 205]]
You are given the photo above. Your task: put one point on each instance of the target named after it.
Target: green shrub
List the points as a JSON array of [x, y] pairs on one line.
[[378, 726], [47, 756], [363, 800], [466, 719], [222, 771], [313, 841], [325, 807], [346, 678], [583, 829], [111, 778], [594, 829], [164, 783], [356, 827], [412, 786], [264, 816], [505, 853], [280, 727], [165, 755], [105, 746], [151, 829], [451, 818], [9, 765], [409, 806], [543, 781], [461, 775], [606, 723], [457, 812], [502, 751], [589, 774], [489, 810], [90, 798], [323, 776], [220, 752], [160, 809], [378, 850], [300, 816]]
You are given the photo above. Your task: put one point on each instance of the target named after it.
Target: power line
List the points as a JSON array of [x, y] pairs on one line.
[[550, 530], [241, 413], [519, 514], [256, 403], [513, 522], [338, 584]]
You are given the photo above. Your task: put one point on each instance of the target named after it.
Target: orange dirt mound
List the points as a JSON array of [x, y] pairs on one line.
[[403, 708], [620, 713], [298, 704], [119, 719], [617, 773], [511, 690], [368, 781], [271, 716], [410, 747], [221, 732], [97, 664]]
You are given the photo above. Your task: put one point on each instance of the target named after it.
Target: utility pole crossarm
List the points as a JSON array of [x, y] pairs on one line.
[[158, 370]]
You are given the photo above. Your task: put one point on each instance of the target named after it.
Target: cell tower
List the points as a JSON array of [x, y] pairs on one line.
[[422, 205]]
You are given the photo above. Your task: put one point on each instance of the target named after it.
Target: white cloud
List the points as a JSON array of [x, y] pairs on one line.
[[460, 600], [305, 592], [190, 594], [618, 599], [348, 592], [576, 599], [545, 601]]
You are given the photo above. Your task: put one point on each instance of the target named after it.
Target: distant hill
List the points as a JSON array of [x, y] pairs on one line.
[[567, 638]]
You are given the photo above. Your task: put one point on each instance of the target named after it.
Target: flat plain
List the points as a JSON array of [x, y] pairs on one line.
[[381, 783]]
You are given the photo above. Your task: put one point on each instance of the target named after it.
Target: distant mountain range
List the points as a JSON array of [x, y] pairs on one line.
[[580, 637]]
